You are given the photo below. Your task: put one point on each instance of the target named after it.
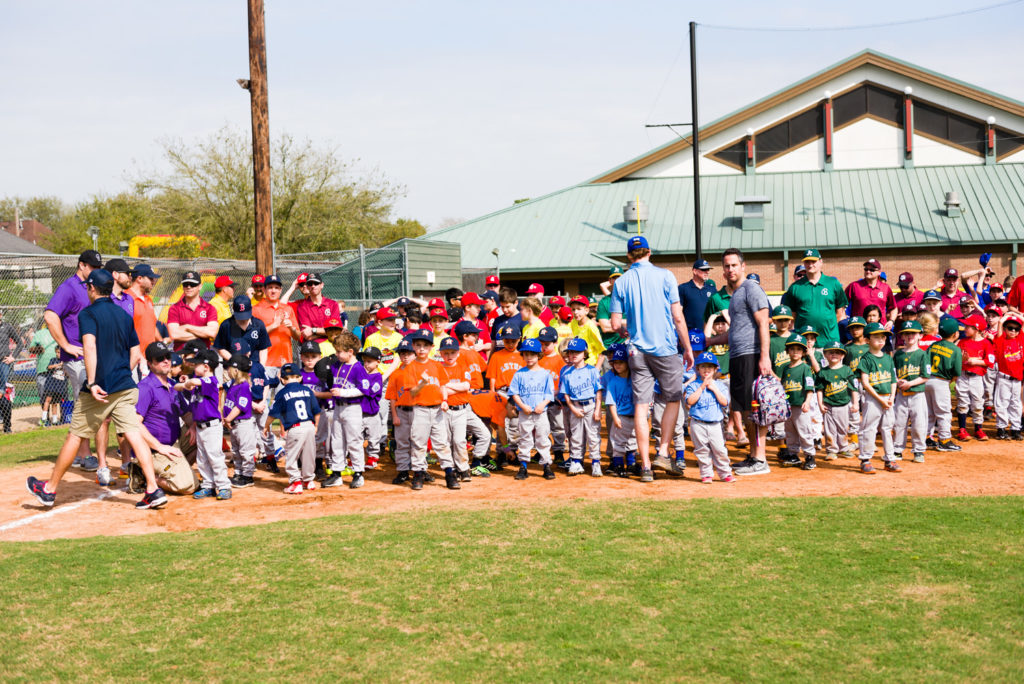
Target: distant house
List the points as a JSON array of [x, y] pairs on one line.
[[29, 230], [11, 244]]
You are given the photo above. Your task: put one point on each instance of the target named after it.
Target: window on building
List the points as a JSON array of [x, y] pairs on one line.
[[946, 126], [1008, 142], [734, 155], [789, 134]]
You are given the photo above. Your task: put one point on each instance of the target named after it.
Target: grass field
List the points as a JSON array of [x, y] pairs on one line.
[[36, 446], [798, 589]]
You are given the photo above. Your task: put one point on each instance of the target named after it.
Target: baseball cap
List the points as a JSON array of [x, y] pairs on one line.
[[333, 324], [855, 320], [811, 255], [707, 358], [702, 265], [951, 273], [535, 288], [242, 308], [385, 312], [119, 265], [807, 330], [975, 320], [374, 353], [932, 294], [239, 361], [375, 306], [834, 345], [223, 281], [314, 279], [403, 302], [191, 347], [696, 340], [557, 300], [873, 263], [258, 280], [190, 278], [272, 279], [911, 326], [91, 257], [421, 336], [405, 345], [875, 329], [883, 276], [449, 344], [565, 313], [753, 276], [618, 352], [782, 311], [471, 298], [290, 370], [995, 286], [797, 339], [509, 332], [993, 309], [207, 356], [548, 334], [580, 299], [490, 294], [438, 312], [176, 359], [909, 310], [614, 272], [309, 347], [436, 303], [463, 328], [157, 350], [948, 326], [302, 278], [576, 344], [637, 242], [100, 278], [905, 279], [492, 280], [144, 271], [1013, 318], [799, 270], [530, 345]]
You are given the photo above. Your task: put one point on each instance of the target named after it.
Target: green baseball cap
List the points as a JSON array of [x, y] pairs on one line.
[[911, 326], [808, 330], [834, 345], [614, 272], [856, 320], [811, 255], [948, 326], [875, 329], [797, 339], [782, 312]]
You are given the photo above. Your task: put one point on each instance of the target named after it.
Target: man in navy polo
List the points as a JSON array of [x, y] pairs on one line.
[[110, 349], [242, 334], [694, 295]]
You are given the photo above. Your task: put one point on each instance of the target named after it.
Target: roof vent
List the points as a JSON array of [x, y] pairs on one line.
[[753, 211], [635, 213], [953, 209]]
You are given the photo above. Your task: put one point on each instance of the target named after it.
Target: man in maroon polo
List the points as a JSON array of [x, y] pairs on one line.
[[871, 289], [191, 317], [313, 313], [951, 292], [908, 292]]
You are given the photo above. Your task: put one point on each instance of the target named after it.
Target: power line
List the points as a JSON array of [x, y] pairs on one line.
[[859, 27]]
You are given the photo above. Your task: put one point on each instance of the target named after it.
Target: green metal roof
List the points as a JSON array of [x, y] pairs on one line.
[[581, 227]]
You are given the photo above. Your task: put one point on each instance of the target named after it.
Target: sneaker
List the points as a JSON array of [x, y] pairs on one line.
[[679, 467], [334, 480], [481, 471], [153, 499], [728, 478], [867, 468], [294, 488], [549, 474], [122, 472], [849, 452], [242, 481], [948, 445], [522, 473], [1015, 435], [706, 480], [271, 464], [788, 460], [371, 462], [980, 435], [37, 488], [809, 463], [595, 469], [930, 443], [755, 468], [636, 469], [103, 476], [357, 481], [918, 458], [204, 493], [417, 480], [310, 485], [77, 463], [663, 463], [401, 478], [619, 471], [491, 465], [224, 494], [575, 468], [347, 470], [427, 477], [559, 458], [893, 466], [831, 457], [465, 476], [898, 456], [451, 480], [745, 463], [1002, 434], [963, 435], [90, 464], [647, 475], [320, 474]]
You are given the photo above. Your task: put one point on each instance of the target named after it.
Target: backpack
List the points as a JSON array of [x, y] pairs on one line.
[[769, 405]]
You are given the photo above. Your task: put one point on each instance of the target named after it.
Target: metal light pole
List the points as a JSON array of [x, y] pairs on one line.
[[497, 262], [94, 233], [696, 140]]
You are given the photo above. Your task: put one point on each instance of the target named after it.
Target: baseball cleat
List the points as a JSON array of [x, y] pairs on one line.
[[417, 480], [549, 474], [294, 488], [37, 488], [153, 499], [357, 481]]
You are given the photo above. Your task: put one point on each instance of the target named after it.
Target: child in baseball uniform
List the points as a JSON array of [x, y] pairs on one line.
[[501, 366], [318, 380], [579, 387], [1009, 349], [855, 349], [707, 403], [481, 401], [837, 393], [816, 360], [617, 390], [782, 317], [532, 389], [373, 427], [298, 410], [425, 380], [460, 376], [585, 328], [913, 369], [350, 384], [203, 396], [798, 383], [238, 418], [551, 360], [400, 403], [978, 357], [992, 315], [946, 360], [878, 388]]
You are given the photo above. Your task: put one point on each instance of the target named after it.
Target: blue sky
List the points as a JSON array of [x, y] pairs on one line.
[[469, 105]]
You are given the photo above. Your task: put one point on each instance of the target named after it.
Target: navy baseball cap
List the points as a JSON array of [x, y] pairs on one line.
[[696, 340], [272, 279], [421, 336], [463, 328], [403, 302], [932, 294], [490, 294], [530, 345], [509, 332], [144, 271], [370, 353], [100, 278], [290, 370], [239, 361], [702, 265], [242, 308], [637, 242], [176, 360], [753, 276], [404, 346], [449, 344], [576, 344], [706, 358], [548, 334], [309, 347], [618, 352], [91, 257], [157, 350]]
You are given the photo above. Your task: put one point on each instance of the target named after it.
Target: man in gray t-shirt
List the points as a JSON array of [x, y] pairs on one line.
[[746, 301]]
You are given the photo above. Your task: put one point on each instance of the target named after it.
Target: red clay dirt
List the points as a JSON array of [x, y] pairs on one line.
[[989, 469]]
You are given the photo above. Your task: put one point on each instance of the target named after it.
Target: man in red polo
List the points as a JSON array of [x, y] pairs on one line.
[[191, 318], [951, 292], [872, 290], [313, 312], [908, 292]]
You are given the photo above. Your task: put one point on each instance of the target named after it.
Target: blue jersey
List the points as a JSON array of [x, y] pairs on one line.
[[532, 386], [248, 342], [257, 381], [578, 384], [618, 392], [294, 404], [707, 409]]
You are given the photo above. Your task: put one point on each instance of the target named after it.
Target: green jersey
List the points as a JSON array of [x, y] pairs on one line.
[[910, 366], [815, 304], [853, 354], [836, 385], [604, 311], [721, 352], [797, 381], [777, 353], [717, 302], [946, 359], [880, 371]]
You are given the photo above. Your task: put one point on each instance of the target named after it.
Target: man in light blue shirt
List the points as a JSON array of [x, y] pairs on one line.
[[649, 299]]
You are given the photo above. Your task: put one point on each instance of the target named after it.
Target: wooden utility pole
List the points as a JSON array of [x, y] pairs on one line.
[[263, 202]]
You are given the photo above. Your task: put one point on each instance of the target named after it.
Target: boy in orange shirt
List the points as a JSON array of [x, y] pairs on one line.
[[552, 362], [427, 382], [459, 372], [400, 402], [502, 365], [480, 400]]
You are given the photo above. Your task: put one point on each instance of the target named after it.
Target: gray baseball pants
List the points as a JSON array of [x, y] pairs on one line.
[[876, 418], [709, 448], [428, 425], [990, 386], [679, 434], [210, 457], [855, 411], [300, 452], [325, 435], [475, 426], [347, 437], [911, 415], [940, 406], [556, 419], [1007, 402], [384, 415], [372, 429], [622, 439], [267, 442], [584, 434], [837, 426], [244, 446], [535, 433], [970, 396], [403, 439], [456, 420], [800, 431]]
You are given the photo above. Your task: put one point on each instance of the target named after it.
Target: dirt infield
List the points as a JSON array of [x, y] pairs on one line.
[[85, 509]]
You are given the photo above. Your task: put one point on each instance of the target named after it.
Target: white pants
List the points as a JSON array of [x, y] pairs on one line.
[[970, 397], [403, 439], [475, 427], [800, 431], [990, 386], [300, 452], [836, 424], [622, 439], [372, 433], [876, 418], [244, 448], [940, 407], [556, 419], [1007, 402], [347, 437], [534, 433], [911, 415], [428, 424], [455, 419], [584, 434], [709, 448], [210, 456]]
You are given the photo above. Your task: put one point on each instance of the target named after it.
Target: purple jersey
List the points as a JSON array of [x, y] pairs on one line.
[[371, 397], [160, 407], [70, 298], [126, 302], [348, 376], [314, 383], [238, 396], [203, 400]]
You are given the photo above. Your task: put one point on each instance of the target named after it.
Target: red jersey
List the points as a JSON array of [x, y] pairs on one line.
[[927, 341], [1010, 356], [977, 349]]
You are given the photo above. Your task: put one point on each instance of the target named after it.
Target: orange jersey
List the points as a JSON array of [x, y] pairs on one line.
[[502, 365], [397, 393], [461, 371], [476, 364], [552, 364], [436, 376]]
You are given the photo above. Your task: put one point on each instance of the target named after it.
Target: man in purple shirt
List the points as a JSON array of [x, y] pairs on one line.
[[872, 290], [122, 281], [61, 318], [161, 409]]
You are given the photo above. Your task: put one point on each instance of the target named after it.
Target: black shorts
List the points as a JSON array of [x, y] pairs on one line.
[[743, 370]]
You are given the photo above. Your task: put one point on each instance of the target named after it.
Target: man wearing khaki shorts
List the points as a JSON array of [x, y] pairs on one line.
[[111, 349]]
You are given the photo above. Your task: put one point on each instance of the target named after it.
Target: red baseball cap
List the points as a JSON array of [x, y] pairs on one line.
[[1015, 318], [873, 263], [258, 279], [492, 280], [996, 286], [439, 312], [385, 312], [580, 299], [975, 320], [223, 281], [557, 301], [565, 313], [906, 278], [535, 288], [472, 298], [333, 323], [436, 303], [910, 308], [302, 278], [951, 273]]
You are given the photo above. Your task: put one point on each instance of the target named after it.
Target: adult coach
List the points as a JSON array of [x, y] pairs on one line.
[[816, 299], [748, 351], [649, 299], [609, 335], [314, 311], [871, 289], [242, 334], [110, 348], [143, 312], [191, 317], [695, 294]]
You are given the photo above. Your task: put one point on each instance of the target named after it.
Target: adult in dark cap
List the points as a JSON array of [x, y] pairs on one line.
[[314, 312], [817, 300], [191, 317], [907, 292], [242, 334], [121, 272], [143, 280], [695, 293], [871, 289]]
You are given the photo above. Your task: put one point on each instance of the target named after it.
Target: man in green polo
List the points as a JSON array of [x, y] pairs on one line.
[[604, 312], [816, 299], [719, 301]]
